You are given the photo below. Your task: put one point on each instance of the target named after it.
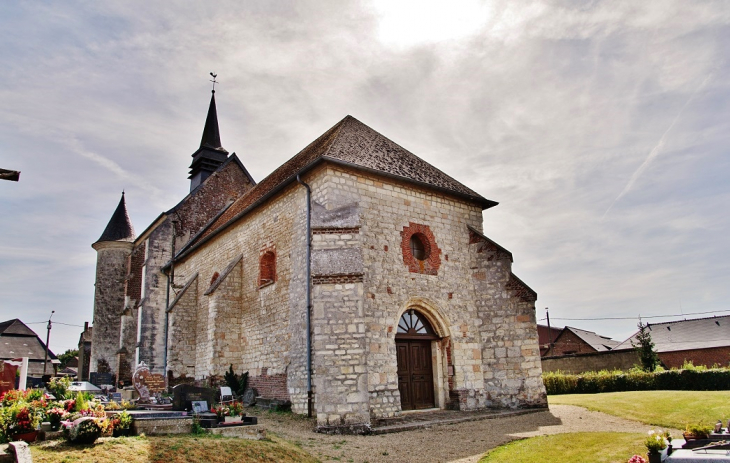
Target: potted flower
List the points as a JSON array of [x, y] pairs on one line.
[[221, 412], [655, 443], [636, 459], [122, 423], [23, 423], [54, 416], [697, 431], [235, 410]]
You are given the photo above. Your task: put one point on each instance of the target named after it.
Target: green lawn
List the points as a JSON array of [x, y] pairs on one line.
[[171, 449], [667, 409], [594, 447]]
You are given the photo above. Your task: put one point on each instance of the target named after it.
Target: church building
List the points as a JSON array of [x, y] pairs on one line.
[[355, 281]]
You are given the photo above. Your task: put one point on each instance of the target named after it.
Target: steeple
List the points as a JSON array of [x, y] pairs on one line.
[[119, 227], [211, 154]]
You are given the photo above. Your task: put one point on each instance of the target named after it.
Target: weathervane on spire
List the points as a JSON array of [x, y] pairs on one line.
[[214, 81]]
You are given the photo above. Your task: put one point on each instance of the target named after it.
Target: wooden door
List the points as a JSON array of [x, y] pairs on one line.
[[415, 374]]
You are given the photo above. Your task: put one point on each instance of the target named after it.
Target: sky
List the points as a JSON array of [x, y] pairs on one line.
[[601, 128]]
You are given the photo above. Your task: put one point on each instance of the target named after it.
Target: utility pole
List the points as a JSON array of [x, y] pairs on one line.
[[48, 338], [550, 333]]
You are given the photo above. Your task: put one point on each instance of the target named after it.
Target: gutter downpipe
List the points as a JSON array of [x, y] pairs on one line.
[[310, 403]]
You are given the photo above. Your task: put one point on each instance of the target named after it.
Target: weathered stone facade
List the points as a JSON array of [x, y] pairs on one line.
[[390, 235], [483, 315]]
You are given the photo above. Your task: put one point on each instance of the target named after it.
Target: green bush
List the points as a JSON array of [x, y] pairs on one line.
[[689, 379]]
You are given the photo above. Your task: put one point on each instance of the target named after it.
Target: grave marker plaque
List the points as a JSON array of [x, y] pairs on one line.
[[147, 383], [183, 396], [97, 379], [7, 376]]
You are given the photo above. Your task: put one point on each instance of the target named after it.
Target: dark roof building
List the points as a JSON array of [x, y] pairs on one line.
[[17, 341], [545, 336], [703, 341], [576, 341]]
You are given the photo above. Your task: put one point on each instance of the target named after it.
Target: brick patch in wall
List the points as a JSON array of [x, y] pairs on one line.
[[430, 265], [337, 279], [520, 289], [270, 386], [336, 231]]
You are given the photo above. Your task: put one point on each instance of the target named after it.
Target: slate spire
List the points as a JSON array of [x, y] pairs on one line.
[[211, 154], [119, 227], [211, 134]]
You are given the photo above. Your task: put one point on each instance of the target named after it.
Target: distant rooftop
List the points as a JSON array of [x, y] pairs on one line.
[[698, 333]]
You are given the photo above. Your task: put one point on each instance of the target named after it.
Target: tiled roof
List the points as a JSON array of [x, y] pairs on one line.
[[119, 227], [17, 340], [698, 333], [352, 143], [15, 327], [596, 341]]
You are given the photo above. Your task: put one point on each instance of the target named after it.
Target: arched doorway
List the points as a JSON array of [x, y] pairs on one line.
[[415, 366]]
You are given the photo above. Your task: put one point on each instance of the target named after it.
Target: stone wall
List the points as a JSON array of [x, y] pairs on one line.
[[240, 322], [183, 326], [190, 215], [511, 356], [363, 281], [111, 274], [596, 361]]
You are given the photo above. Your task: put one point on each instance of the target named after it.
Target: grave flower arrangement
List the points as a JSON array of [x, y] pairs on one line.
[[84, 430], [637, 459], [655, 443], [23, 420], [121, 424], [235, 409], [221, 411], [20, 414], [55, 415]]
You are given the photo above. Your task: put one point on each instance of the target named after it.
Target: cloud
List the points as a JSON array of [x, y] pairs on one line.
[[547, 108], [658, 148]]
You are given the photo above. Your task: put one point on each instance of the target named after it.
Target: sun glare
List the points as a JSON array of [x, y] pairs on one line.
[[407, 23]]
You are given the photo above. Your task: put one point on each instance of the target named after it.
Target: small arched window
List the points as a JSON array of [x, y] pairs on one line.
[[419, 248], [267, 268]]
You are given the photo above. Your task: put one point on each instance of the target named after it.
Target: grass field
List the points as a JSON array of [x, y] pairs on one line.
[[594, 447], [170, 449], [667, 409]]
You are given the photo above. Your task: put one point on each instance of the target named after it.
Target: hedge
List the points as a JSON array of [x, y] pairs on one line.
[[693, 379]]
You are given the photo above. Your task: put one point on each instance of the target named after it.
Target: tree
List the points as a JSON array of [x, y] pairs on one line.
[[644, 347], [67, 356]]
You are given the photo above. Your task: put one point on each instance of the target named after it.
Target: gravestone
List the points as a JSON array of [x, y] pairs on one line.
[[97, 379], [249, 397], [7, 376], [146, 383], [184, 394]]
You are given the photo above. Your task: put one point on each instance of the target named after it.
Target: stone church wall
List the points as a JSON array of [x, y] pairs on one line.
[[191, 215], [183, 323], [510, 350], [254, 326], [111, 273]]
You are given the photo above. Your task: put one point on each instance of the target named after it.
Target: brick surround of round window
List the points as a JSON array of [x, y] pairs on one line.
[[432, 261]]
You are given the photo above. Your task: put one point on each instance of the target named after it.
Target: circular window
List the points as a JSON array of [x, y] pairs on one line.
[[419, 248]]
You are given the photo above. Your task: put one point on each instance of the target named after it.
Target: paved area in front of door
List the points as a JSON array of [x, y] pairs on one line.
[[444, 441]]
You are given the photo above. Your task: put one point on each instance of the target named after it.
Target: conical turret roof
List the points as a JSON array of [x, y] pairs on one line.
[[119, 227]]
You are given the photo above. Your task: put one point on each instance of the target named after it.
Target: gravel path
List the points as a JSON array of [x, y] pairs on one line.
[[462, 442]]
